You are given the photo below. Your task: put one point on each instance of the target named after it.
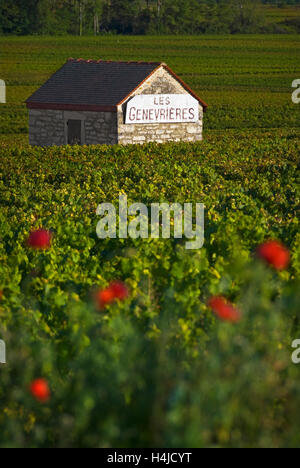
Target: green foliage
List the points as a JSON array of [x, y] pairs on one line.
[[158, 369], [80, 17], [246, 81]]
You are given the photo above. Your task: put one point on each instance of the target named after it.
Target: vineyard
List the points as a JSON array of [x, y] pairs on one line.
[[246, 80], [140, 342]]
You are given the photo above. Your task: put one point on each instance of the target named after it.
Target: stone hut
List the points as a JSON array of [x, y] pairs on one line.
[[88, 102]]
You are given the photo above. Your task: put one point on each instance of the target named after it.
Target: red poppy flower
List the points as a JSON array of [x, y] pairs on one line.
[[104, 297], [40, 390], [40, 239], [275, 254], [119, 290], [224, 310]]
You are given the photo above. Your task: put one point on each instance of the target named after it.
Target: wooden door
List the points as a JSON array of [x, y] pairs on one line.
[[74, 132]]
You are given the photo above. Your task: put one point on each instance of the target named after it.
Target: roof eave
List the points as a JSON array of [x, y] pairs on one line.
[[186, 87], [140, 84], [70, 107]]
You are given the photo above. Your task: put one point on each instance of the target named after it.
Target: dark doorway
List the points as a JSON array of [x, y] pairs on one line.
[[74, 132]]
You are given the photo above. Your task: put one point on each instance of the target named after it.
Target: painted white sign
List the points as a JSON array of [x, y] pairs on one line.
[[162, 108], [2, 92]]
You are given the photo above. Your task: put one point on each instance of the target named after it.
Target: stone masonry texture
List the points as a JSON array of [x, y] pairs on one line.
[[48, 127], [161, 82]]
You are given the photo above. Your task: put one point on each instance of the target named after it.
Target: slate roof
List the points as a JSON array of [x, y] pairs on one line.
[[94, 85]]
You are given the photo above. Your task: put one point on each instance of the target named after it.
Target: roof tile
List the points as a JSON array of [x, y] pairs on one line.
[[92, 83]]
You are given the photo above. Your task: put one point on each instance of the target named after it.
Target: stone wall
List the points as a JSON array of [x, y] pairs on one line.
[[49, 127], [46, 127], [100, 128], [161, 82]]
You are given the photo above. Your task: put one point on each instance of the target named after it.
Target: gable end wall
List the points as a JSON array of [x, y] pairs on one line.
[[161, 82]]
